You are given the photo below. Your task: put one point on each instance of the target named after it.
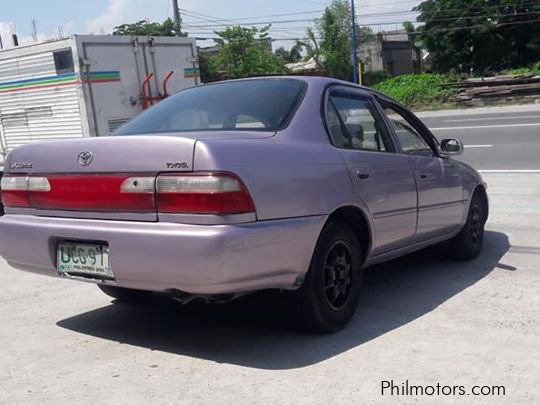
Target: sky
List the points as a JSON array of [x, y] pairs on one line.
[[101, 16]]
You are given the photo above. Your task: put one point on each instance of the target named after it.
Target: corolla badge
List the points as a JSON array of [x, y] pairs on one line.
[[85, 158], [21, 165]]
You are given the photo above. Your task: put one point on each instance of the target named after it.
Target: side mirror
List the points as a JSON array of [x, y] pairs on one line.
[[451, 146]]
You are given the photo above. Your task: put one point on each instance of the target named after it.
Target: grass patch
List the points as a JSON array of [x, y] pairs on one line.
[[532, 69], [422, 90]]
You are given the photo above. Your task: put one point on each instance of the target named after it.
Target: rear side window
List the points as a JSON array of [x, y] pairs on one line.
[[353, 123], [257, 104]]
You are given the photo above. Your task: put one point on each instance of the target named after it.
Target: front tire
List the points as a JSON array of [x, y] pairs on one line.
[[126, 295], [329, 295], [467, 244]]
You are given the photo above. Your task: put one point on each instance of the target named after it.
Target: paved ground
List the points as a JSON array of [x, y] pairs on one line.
[[421, 318], [504, 138]]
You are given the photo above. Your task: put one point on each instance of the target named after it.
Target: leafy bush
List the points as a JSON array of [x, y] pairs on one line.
[[417, 90], [374, 77], [532, 69], [517, 71], [535, 69]]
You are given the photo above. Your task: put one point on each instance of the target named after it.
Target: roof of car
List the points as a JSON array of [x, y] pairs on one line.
[[319, 80]]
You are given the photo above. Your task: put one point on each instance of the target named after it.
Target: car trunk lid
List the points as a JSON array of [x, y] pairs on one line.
[[85, 176], [147, 154], [118, 178]]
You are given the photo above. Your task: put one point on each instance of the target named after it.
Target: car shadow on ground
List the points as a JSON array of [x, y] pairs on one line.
[[254, 331]]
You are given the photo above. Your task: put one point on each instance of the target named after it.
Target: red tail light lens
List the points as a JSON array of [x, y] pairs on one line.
[[15, 191], [96, 193], [202, 193], [194, 193], [80, 192]]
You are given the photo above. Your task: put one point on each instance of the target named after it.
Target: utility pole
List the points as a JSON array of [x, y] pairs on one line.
[[34, 30], [177, 20], [355, 51]]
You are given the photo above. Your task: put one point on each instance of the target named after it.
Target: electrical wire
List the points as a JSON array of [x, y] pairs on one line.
[[371, 24], [423, 31]]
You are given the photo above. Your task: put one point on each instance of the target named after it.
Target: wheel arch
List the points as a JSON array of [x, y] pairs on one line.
[[360, 225]]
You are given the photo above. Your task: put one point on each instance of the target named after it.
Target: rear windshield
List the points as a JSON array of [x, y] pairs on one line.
[[257, 104]]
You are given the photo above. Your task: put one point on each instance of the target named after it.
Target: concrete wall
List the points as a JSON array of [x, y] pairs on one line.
[[397, 57]]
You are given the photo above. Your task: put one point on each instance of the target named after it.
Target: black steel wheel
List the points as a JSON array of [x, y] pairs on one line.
[[338, 275], [467, 244], [476, 227], [328, 298]]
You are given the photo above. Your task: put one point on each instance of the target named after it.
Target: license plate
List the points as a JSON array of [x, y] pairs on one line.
[[84, 259]]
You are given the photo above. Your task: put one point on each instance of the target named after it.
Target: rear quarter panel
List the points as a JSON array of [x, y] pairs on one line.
[[285, 179]]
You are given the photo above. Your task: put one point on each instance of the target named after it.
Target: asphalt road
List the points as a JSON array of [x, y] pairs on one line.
[[496, 138], [422, 319]]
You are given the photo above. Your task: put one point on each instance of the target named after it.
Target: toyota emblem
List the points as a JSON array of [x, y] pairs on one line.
[[85, 158]]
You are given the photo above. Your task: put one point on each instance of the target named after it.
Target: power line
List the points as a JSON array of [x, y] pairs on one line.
[[453, 29], [210, 18], [528, 3], [372, 24], [275, 31], [265, 16], [288, 30]]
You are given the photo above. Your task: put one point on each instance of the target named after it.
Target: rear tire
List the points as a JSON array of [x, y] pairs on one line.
[[329, 295], [126, 295], [467, 244]]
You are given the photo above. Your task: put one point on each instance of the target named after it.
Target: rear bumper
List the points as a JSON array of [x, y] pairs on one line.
[[197, 259]]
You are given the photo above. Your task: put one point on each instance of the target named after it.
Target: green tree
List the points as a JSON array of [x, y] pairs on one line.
[[207, 64], [245, 52], [295, 54], [330, 41], [479, 36], [409, 28], [147, 28], [282, 54], [292, 55]]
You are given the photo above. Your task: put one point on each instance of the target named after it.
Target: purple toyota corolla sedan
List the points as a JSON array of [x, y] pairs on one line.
[[281, 183]]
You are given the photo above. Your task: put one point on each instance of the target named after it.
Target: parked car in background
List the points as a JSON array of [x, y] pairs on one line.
[[285, 183]]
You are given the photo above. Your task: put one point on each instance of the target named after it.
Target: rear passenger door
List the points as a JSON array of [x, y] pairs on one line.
[[383, 179]]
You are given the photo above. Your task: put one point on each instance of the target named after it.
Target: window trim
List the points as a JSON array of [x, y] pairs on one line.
[[414, 122], [360, 94]]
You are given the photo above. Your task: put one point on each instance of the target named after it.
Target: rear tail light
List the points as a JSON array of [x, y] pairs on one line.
[[16, 189], [202, 193], [196, 193]]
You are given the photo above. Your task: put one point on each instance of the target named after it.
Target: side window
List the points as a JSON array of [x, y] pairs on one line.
[[63, 61], [411, 141], [353, 123]]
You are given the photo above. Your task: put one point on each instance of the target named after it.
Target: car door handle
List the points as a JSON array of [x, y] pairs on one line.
[[362, 175], [424, 176]]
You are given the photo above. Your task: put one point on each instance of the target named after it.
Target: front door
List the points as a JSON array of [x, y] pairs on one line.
[[440, 187], [382, 178]]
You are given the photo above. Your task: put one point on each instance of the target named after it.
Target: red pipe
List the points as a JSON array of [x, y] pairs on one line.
[[165, 81], [145, 98]]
